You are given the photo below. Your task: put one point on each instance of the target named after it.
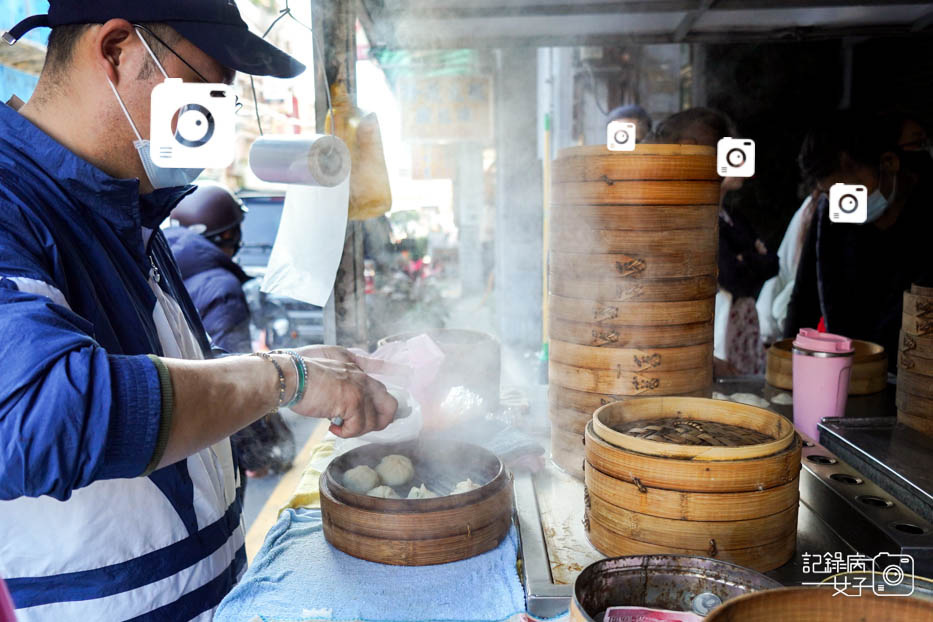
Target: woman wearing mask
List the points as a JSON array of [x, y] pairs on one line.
[[853, 275]]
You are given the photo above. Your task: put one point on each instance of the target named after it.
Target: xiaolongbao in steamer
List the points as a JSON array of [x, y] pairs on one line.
[[383, 492], [395, 470], [465, 486], [361, 479], [421, 493]]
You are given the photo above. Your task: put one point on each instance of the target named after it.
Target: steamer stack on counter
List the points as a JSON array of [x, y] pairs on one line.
[[690, 476], [632, 274], [915, 361]]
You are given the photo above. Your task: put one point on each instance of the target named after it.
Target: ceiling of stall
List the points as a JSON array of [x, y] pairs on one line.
[[422, 24]]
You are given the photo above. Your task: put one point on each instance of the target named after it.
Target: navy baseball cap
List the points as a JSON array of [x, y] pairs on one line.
[[214, 26]]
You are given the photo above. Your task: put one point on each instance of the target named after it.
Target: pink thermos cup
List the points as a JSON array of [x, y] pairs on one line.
[[822, 365]]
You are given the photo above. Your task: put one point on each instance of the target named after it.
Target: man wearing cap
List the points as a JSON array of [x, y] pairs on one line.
[[118, 490]]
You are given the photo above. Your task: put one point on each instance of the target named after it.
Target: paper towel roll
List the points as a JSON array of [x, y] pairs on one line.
[[312, 160]]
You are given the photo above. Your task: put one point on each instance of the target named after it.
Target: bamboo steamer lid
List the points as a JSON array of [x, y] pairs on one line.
[[778, 429], [817, 604], [685, 505], [693, 475], [615, 336], [763, 557], [869, 367], [647, 161], [632, 313], [920, 290], [635, 217], [650, 382], [571, 239], [609, 266], [634, 290]]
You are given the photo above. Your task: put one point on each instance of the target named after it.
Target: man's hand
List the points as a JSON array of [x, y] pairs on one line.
[[337, 387]]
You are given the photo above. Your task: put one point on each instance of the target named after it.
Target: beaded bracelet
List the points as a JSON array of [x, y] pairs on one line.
[[268, 357], [301, 368]]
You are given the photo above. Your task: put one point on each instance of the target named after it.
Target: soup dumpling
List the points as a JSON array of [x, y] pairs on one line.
[[395, 470]]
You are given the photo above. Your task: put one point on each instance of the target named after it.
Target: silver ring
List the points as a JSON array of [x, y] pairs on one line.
[[337, 421]]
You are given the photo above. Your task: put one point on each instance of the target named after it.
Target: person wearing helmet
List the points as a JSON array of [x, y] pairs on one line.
[[204, 243], [204, 246]]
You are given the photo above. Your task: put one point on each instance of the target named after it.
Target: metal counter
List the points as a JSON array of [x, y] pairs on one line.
[[842, 510]]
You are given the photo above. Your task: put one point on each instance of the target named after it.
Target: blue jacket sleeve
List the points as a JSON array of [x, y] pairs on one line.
[[70, 413]]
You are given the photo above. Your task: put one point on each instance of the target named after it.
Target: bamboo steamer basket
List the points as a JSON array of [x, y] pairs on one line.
[[913, 404], [567, 451], [691, 506], [632, 313], [692, 534], [417, 532], [915, 384], [916, 365], [631, 359], [869, 367], [583, 240], [921, 347], [669, 582], [635, 217], [658, 162], [571, 410], [917, 305], [618, 336], [816, 604], [636, 192], [763, 557], [659, 265], [641, 290], [778, 428], [631, 383], [920, 423], [717, 476], [917, 326]]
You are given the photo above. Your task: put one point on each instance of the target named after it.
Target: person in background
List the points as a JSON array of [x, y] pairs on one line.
[[776, 293], [204, 246], [745, 263], [853, 276], [633, 113]]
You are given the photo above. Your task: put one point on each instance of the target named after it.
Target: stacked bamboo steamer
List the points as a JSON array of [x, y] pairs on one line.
[[733, 498], [632, 281], [915, 361]]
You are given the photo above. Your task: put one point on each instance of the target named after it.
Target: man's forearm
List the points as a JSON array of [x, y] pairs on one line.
[[214, 399]]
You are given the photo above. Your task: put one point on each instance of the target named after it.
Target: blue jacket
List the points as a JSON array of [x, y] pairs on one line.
[[215, 283], [82, 535]]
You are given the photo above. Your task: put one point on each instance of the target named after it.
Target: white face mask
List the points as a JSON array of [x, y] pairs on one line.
[[158, 177]]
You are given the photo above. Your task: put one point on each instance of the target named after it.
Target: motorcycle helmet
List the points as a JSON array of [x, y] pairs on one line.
[[213, 211]]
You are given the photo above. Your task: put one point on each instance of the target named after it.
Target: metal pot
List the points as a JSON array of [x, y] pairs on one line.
[[674, 582]]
